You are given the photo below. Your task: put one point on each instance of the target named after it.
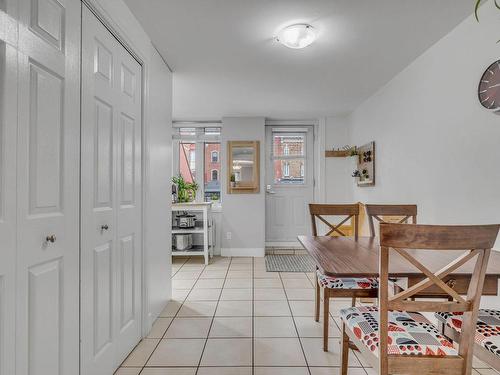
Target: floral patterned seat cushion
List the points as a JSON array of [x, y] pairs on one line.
[[346, 282], [487, 329], [409, 333]]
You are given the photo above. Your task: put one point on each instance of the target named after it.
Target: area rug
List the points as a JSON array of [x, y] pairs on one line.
[[289, 263]]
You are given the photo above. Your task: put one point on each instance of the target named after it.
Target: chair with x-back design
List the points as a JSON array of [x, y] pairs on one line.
[[399, 213], [395, 338], [333, 286]]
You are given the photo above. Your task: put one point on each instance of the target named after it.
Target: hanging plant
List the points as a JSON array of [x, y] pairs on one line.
[[476, 9]]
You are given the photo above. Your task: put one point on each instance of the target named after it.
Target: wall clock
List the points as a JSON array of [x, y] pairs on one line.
[[489, 88]]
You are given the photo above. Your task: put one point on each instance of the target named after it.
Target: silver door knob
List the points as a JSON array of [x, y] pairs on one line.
[[51, 238], [104, 227]]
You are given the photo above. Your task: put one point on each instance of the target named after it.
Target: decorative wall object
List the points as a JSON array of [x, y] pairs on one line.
[[366, 165]]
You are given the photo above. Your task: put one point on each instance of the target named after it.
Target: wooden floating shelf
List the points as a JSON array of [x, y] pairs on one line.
[[337, 154]]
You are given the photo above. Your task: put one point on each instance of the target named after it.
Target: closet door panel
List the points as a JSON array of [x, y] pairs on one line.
[[128, 193], [111, 200], [98, 260], [48, 187], [8, 136]]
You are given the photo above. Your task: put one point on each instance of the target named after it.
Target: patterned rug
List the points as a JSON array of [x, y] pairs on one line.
[[289, 263]]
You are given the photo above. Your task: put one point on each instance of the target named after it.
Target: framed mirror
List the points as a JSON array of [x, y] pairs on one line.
[[243, 167]]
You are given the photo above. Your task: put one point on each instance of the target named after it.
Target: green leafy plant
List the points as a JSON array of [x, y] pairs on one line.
[[233, 178], [186, 191], [476, 9]]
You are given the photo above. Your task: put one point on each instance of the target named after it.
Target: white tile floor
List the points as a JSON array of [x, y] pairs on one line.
[[234, 318]]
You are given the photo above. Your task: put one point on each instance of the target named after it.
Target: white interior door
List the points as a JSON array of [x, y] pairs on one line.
[[289, 182], [110, 200], [8, 139], [48, 155]]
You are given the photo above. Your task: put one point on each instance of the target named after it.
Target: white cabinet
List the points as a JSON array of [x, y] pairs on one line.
[[203, 229]]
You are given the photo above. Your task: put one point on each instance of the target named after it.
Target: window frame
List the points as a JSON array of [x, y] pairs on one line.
[[212, 175], [216, 153], [286, 169], [286, 157], [200, 139]]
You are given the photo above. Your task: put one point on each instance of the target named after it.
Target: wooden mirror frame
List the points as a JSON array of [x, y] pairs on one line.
[[247, 188]]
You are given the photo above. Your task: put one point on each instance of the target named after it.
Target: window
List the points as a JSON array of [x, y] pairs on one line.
[[199, 159], [286, 169], [211, 183], [187, 161], [288, 154], [215, 156]]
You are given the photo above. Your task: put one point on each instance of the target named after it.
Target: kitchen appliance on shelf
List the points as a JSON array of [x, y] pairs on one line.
[[186, 220], [183, 241]]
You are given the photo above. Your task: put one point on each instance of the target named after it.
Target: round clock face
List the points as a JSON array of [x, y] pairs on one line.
[[489, 87]]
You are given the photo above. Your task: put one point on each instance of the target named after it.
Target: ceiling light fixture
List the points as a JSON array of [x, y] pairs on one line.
[[297, 36]]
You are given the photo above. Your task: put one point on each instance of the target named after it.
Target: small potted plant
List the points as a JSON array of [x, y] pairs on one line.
[[186, 191], [233, 180]]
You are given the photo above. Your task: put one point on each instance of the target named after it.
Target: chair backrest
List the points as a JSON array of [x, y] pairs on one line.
[[380, 212], [347, 210], [406, 240]]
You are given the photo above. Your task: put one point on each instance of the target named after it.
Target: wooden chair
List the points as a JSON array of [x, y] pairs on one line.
[[486, 339], [338, 287], [397, 340], [382, 212]]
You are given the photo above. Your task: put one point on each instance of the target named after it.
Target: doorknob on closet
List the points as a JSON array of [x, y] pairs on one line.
[[104, 227], [50, 238]]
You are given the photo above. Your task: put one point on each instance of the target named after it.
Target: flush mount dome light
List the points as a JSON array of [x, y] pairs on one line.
[[297, 36]]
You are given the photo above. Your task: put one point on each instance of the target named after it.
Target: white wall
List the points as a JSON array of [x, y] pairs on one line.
[[158, 199], [435, 145], [157, 155], [338, 180], [243, 214]]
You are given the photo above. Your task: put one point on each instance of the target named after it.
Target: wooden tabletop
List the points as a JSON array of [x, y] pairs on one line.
[[347, 257]]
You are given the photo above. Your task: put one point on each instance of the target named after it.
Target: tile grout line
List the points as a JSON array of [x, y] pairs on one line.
[[175, 316], [213, 316], [182, 265], [294, 324]]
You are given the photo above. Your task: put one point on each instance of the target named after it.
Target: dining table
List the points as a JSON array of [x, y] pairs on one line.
[[350, 257]]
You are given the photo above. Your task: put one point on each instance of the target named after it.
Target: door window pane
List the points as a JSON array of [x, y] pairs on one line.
[[288, 145], [289, 171], [211, 171], [187, 161]]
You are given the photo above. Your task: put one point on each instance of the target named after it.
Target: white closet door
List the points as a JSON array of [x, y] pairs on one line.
[[110, 200], [48, 158], [8, 136]]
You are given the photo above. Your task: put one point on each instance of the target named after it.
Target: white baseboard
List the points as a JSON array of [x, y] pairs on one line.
[[291, 244], [242, 252]]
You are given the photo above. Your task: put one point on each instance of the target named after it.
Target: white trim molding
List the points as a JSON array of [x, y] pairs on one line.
[[256, 252], [294, 245]]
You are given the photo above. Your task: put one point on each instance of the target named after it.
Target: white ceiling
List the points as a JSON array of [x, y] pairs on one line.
[[226, 63]]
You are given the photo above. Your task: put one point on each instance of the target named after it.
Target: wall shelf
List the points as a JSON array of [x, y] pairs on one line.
[[337, 153]]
